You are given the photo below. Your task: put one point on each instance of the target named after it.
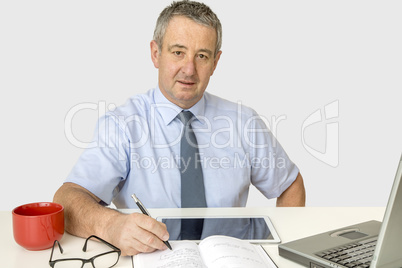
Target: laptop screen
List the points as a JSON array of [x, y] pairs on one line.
[[388, 251]]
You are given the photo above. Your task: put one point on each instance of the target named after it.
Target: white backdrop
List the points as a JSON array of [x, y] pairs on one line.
[[325, 75]]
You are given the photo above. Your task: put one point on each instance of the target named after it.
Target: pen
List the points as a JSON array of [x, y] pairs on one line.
[[145, 212]]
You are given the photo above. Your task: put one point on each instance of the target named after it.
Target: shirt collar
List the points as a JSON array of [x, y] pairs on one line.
[[169, 110]]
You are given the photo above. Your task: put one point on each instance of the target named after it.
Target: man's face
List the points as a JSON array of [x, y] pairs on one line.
[[186, 61]]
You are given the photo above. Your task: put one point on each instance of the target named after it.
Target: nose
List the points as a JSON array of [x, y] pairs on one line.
[[189, 67]]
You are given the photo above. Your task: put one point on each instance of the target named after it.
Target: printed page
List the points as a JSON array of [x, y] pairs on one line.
[[185, 254], [223, 251]]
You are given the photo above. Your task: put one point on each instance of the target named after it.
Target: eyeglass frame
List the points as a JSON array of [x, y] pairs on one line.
[[52, 263]]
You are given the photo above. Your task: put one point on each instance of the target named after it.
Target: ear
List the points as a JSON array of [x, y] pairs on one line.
[[217, 57], [155, 53]]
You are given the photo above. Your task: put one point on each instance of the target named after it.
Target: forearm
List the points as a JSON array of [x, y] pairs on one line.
[[84, 216], [294, 196]]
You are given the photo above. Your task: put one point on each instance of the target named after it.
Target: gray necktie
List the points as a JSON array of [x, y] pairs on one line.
[[192, 180]]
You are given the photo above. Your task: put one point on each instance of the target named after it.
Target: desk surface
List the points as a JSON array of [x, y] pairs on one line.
[[291, 224]]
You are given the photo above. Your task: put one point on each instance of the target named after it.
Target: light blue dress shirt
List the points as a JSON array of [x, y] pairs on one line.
[[137, 150]]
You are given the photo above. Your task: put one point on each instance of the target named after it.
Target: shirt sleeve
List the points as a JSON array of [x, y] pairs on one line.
[[103, 167], [272, 172]]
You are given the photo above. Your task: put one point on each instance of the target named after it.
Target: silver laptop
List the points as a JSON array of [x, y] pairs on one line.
[[368, 244]]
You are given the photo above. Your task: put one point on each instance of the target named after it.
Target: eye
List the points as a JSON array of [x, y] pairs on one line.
[[177, 53], [202, 56]]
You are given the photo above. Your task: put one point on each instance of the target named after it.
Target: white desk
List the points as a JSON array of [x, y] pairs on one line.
[[291, 224]]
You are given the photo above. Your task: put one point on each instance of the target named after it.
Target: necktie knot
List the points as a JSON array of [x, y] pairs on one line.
[[185, 117]]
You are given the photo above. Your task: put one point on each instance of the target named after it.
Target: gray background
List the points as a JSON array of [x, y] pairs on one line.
[[286, 59]]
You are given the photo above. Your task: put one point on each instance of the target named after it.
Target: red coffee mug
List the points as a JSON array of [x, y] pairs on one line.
[[37, 225]]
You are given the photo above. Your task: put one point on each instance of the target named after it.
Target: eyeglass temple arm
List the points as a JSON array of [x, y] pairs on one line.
[[100, 239], [54, 244]]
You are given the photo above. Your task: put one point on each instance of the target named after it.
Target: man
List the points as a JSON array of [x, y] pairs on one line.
[[138, 144]]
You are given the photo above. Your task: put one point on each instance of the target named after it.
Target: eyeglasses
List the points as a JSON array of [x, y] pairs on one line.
[[104, 260]]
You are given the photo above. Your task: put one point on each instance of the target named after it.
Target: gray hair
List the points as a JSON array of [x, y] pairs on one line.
[[198, 12]]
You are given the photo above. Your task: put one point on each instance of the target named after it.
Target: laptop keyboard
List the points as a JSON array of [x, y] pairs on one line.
[[356, 254]]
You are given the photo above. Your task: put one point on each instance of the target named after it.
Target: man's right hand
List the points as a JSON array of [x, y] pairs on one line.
[[135, 233], [84, 216]]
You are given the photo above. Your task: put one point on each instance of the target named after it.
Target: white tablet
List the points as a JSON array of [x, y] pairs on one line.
[[255, 229]]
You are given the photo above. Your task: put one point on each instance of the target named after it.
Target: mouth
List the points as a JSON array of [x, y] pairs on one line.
[[186, 83]]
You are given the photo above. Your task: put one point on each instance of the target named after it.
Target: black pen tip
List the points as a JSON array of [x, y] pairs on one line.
[[168, 245]]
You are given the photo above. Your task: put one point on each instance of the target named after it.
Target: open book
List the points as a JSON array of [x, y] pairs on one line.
[[212, 252]]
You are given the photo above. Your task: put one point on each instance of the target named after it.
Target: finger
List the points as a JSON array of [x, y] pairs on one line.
[[135, 247], [130, 241], [127, 235], [147, 241], [155, 227], [145, 230]]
